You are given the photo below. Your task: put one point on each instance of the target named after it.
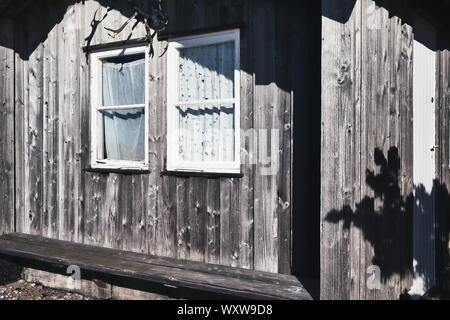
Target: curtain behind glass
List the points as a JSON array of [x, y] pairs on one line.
[[124, 130], [206, 131], [124, 134], [207, 72], [124, 80]]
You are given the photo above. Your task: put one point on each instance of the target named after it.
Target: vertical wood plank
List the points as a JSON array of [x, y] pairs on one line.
[[226, 251], [230, 223], [340, 151], [94, 206], [63, 217], [212, 254], [284, 127], [248, 149], [265, 116], [19, 128], [84, 116], [406, 148], [372, 66], [79, 125], [128, 206], [443, 163], [197, 218], [93, 199], [50, 138], [183, 223], [111, 219], [138, 241], [7, 161], [69, 139], [34, 132]]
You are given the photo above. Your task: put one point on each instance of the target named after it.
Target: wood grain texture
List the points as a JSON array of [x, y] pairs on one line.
[[265, 114], [443, 164], [19, 143], [231, 282], [340, 158], [7, 181], [367, 112], [242, 221], [34, 123], [387, 114]]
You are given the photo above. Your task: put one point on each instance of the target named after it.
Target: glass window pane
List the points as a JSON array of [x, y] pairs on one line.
[[124, 134], [206, 132], [124, 80], [207, 72]]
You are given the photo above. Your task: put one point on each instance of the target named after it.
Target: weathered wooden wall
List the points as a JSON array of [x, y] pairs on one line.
[[244, 222], [443, 165], [6, 127], [365, 194]]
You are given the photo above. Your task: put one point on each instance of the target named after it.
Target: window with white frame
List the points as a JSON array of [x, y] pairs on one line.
[[203, 103], [119, 125]]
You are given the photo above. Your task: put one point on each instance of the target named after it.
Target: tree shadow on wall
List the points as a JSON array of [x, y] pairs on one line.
[[46, 14], [386, 219]]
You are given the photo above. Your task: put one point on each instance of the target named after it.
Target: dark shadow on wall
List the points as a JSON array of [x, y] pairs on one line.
[[442, 228], [340, 13], [34, 22], [406, 10], [380, 227], [433, 12], [306, 80], [386, 220]]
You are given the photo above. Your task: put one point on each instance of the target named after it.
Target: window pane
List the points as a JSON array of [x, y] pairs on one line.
[[124, 134], [206, 132], [124, 80], [207, 72]]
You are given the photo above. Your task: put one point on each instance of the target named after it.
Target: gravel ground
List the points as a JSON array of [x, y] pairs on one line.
[[21, 290]]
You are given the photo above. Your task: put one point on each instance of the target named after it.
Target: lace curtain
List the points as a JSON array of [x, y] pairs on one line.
[[124, 129]]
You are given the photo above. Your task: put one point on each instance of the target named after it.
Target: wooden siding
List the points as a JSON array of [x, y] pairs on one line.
[[243, 222], [424, 102], [366, 141], [6, 127], [443, 164]]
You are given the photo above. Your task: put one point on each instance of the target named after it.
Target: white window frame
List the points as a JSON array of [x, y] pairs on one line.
[[173, 161], [96, 75]]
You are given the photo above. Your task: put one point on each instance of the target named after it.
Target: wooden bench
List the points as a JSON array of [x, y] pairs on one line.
[[212, 280]]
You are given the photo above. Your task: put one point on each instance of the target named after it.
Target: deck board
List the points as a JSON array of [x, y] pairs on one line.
[[235, 282]]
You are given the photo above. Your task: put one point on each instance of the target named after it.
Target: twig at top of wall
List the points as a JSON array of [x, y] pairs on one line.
[[157, 20], [94, 26]]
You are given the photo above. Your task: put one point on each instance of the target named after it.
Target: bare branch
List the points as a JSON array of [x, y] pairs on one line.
[[157, 21], [118, 31]]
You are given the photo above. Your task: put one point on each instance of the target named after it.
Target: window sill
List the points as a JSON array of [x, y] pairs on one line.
[[118, 170], [193, 174]]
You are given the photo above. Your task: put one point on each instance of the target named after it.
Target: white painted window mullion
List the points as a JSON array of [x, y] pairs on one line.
[[212, 92], [97, 130]]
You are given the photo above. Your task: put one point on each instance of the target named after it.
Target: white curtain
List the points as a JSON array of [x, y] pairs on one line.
[[124, 130], [124, 80], [124, 134], [206, 130]]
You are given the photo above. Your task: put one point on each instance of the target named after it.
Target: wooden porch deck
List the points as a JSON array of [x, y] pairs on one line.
[[212, 281]]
